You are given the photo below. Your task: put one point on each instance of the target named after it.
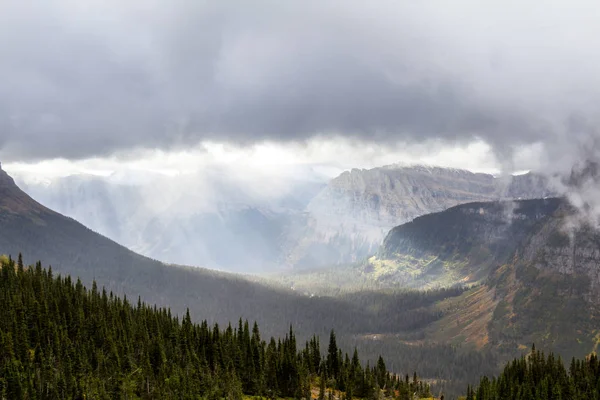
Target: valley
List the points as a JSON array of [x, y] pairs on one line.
[[450, 303]]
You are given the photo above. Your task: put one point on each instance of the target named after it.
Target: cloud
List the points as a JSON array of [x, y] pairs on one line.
[[81, 80]]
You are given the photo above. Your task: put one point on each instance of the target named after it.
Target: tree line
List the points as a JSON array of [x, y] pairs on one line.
[[540, 377], [59, 339]]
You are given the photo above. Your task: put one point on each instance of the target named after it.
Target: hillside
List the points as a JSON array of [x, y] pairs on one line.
[[70, 248], [461, 244], [538, 279], [61, 340], [348, 220]]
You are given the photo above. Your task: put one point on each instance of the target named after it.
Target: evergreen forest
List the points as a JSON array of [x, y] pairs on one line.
[[60, 340], [540, 377]]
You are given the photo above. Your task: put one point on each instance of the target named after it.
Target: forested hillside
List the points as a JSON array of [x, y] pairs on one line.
[[526, 278], [542, 377], [60, 340]]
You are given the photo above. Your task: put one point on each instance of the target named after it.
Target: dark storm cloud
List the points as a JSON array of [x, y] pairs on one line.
[[81, 79]]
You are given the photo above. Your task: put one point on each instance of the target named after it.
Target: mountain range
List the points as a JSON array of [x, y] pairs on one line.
[[348, 219], [500, 275], [214, 221]]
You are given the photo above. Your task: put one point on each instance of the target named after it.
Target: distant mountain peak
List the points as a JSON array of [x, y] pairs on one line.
[[424, 168]]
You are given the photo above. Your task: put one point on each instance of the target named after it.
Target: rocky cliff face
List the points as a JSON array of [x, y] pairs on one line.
[[566, 246], [348, 219], [464, 243], [459, 245]]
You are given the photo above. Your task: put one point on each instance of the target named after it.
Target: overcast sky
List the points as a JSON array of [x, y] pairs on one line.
[[505, 85]]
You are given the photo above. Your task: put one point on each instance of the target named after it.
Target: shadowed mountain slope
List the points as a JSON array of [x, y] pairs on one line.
[[539, 274], [70, 248]]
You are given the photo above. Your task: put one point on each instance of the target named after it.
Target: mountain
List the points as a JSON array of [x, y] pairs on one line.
[[70, 248], [529, 272], [535, 267], [349, 218], [461, 244], [210, 219], [217, 219]]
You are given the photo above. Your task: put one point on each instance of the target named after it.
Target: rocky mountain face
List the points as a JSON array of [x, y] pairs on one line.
[[348, 219], [567, 247], [461, 244], [464, 243], [536, 271]]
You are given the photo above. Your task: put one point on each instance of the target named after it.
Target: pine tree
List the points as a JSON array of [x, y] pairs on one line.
[[322, 386], [333, 363]]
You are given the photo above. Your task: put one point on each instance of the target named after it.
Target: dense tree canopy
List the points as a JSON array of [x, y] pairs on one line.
[[61, 340], [540, 377]]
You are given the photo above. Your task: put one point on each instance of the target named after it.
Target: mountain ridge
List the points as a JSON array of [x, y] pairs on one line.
[[535, 275], [349, 219], [475, 237], [312, 226], [13, 199]]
